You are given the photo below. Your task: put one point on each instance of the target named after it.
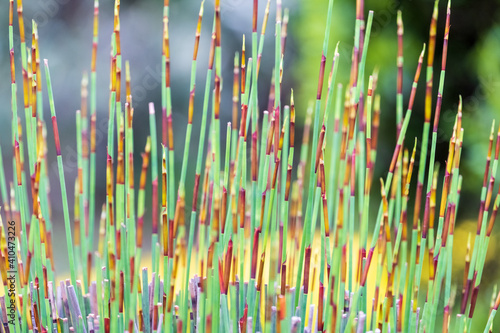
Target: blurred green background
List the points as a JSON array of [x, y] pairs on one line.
[[65, 31]]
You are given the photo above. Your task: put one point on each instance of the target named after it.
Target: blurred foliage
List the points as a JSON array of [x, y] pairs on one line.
[[473, 70]]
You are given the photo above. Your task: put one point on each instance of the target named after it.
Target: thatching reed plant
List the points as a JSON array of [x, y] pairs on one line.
[[266, 245]]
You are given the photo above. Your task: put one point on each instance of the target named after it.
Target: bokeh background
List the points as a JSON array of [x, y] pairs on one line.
[[65, 33]]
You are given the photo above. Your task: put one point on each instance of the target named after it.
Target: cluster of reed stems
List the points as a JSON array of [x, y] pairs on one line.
[[267, 245]]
